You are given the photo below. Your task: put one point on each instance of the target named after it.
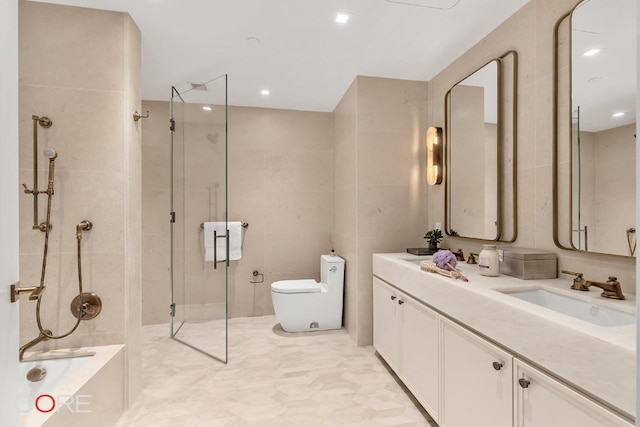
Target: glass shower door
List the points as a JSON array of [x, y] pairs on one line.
[[199, 205]]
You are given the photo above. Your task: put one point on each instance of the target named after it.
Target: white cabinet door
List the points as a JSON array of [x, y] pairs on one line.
[[386, 336], [541, 401], [476, 381], [420, 353]]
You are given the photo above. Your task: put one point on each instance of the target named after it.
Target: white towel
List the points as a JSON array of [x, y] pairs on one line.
[[235, 240]]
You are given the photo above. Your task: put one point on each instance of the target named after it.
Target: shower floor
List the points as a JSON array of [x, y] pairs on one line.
[[272, 378]]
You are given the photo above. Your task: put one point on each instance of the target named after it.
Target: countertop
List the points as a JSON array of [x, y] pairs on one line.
[[599, 361]]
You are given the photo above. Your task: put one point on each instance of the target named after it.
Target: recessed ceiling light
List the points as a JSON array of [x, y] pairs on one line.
[[342, 18], [265, 91], [618, 114], [591, 52], [206, 108]]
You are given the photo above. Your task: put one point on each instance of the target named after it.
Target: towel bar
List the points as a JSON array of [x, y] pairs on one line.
[[244, 225]]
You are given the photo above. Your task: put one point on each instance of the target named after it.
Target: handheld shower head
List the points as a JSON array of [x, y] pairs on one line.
[[50, 153]]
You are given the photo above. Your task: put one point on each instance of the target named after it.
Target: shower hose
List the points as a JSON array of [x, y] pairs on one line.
[[79, 227]]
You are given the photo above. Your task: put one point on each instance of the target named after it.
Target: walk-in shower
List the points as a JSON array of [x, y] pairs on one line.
[[85, 305], [199, 308]]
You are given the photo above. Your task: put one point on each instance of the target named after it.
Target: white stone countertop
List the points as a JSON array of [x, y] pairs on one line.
[[599, 361]]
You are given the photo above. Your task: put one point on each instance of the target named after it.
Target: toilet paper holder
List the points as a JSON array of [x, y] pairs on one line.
[[256, 273]]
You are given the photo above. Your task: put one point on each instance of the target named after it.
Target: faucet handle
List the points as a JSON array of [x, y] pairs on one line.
[[579, 284], [578, 275], [613, 279]]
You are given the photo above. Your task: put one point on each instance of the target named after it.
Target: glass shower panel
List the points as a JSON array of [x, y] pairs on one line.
[[199, 196]]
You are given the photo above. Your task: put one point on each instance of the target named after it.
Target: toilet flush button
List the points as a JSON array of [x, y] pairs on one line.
[[334, 268]]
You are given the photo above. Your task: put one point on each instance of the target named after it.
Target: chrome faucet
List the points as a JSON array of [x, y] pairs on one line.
[[610, 289]]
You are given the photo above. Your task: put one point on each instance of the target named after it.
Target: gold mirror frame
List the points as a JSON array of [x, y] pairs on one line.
[[557, 237], [500, 151]]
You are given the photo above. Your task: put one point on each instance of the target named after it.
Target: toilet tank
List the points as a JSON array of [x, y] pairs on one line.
[[328, 274]]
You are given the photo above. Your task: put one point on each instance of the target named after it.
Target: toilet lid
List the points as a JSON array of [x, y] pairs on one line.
[[296, 286]]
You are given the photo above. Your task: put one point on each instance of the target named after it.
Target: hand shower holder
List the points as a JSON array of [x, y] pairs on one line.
[[45, 122]]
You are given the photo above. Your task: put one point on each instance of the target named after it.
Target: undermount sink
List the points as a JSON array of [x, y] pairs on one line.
[[580, 309]]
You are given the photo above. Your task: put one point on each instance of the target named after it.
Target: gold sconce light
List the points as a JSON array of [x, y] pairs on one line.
[[434, 155]]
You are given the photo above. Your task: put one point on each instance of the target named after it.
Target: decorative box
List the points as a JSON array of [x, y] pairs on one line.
[[529, 264]]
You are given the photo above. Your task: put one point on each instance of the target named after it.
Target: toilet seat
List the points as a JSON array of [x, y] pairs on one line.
[[296, 286]]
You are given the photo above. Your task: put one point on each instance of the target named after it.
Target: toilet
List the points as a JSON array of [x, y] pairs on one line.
[[306, 305]]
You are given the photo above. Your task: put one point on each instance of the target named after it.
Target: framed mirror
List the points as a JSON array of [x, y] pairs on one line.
[[595, 162], [480, 133]]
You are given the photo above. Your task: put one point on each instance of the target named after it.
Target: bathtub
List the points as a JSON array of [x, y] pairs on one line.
[[86, 391]]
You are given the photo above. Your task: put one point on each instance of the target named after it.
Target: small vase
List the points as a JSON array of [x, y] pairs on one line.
[[433, 246]]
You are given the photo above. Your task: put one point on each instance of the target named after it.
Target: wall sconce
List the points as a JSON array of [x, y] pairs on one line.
[[434, 155]]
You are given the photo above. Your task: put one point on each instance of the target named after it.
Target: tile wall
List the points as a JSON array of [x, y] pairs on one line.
[[380, 202], [89, 90]]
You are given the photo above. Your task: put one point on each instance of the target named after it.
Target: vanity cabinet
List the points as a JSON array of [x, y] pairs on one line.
[[541, 401], [406, 334], [463, 379], [477, 380]]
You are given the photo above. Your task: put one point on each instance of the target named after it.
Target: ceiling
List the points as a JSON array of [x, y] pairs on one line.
[[301, 54]]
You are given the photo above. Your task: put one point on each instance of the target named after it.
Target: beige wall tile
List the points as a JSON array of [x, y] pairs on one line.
[[345, 214], [298, 171], [276, 130], [248, 206], [298, 211], [86, 132], [155, 129], [155, 211], [294, 252], [156, 163], [249, 171], [389, 158], [391, 105], [49, 48], [379, 187], [155, 301]]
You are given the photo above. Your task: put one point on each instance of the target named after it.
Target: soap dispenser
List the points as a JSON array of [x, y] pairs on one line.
[[488, 261]]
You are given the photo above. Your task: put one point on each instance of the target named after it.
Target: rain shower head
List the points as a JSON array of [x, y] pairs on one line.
[[198, 86], [50, 153]]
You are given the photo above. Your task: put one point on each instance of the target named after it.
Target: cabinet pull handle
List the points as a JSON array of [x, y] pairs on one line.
[[497, 366], [393, 297], [523, 383], [400, 302]]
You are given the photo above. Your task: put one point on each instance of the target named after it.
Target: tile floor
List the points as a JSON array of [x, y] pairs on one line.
[[272, 379]]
